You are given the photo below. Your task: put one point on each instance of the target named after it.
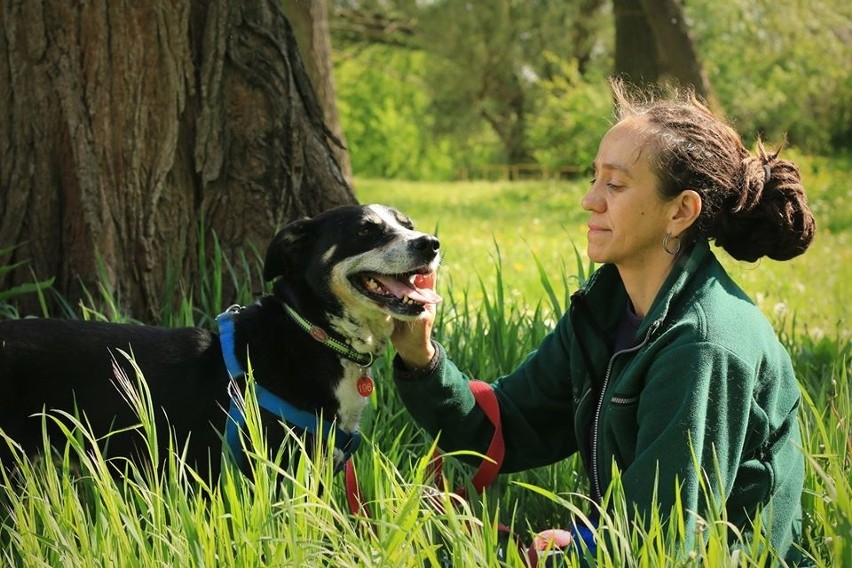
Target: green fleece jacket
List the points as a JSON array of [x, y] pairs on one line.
[[708, 379]]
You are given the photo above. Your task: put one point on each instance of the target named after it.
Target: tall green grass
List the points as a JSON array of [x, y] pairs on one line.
[[81, 508]]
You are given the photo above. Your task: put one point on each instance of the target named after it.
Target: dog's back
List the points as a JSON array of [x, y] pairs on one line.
[[53, 364]]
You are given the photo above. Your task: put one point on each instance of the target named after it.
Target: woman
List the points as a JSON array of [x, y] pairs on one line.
[[660, 357]]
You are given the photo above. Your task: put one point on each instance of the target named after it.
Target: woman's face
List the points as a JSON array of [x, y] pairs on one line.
[[628, 218]]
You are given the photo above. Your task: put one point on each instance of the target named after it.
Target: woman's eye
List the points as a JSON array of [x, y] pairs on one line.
[[610, 184]]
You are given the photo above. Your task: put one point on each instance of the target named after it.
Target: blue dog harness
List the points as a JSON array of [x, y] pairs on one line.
[[293, 417]]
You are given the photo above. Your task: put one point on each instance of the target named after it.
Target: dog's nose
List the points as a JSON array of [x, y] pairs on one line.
[[426, 243]]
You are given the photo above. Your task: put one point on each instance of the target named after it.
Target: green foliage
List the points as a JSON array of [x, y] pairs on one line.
[[385, 111], [780, 67], [570, 118], [478, 84], [465, 85]]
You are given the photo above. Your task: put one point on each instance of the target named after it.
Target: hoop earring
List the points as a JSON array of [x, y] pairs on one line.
[[666, 244]]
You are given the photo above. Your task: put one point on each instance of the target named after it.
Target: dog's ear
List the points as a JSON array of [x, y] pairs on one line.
[[286, 248]]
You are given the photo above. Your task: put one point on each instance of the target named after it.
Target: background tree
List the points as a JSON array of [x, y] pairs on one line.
[[414, 103], [653, 44], [309, 19], [127, 127], [636, 54], [482, 60]]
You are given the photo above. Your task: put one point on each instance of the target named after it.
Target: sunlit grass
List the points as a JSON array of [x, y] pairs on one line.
[[81, 507], [506, 279], [544, 220]]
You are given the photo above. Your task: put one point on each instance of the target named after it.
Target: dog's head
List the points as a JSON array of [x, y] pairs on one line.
[[359, 259]]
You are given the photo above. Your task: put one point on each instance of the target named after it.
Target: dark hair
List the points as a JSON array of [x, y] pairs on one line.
[[752, 205]]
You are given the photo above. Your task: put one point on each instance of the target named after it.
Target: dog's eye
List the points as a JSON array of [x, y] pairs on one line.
[[368, 229]]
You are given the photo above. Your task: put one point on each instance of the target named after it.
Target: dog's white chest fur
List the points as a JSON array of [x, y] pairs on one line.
[[350, 400]]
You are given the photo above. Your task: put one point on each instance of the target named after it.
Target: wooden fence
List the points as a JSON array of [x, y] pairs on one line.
[[517, 172]]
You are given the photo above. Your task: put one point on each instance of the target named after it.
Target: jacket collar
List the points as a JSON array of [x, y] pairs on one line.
[[681, 276], [605, 294]]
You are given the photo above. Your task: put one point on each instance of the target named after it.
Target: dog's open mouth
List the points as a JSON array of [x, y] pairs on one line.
[[404, 294]]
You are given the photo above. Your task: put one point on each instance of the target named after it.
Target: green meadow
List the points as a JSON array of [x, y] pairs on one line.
[[513, 252], [520, 223]]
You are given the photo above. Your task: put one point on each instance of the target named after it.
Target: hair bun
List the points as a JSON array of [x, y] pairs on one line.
[[754, 184], [772, 217]]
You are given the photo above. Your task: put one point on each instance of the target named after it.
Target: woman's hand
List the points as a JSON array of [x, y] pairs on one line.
[[413, 339]]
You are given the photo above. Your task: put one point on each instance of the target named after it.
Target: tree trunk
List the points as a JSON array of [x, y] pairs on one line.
[[309, 19], [636, 55], [583, 33], [653, 45], [126, 126], [676, 47]]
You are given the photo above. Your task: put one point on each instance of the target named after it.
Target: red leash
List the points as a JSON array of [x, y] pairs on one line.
[[353, 492], [491, 464], [482, 478], [496, 452], [544, 542]]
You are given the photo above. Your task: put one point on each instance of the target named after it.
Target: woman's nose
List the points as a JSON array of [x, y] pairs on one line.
[[591, 200]]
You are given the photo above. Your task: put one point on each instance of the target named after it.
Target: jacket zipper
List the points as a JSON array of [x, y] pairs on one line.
[[596, 483]]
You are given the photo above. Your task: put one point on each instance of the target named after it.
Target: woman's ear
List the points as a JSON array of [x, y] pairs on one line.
[[686, 208]]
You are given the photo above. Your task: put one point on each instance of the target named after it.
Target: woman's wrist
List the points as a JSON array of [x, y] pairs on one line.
[[419, 359]]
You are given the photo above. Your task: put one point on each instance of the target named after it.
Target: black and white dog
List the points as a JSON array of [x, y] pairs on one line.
[[341, 278]]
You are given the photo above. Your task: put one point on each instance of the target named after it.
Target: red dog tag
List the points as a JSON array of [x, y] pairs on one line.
[[364, 385]]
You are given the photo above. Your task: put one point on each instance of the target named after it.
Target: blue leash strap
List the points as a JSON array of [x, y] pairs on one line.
[[225, 320], [296, 418]]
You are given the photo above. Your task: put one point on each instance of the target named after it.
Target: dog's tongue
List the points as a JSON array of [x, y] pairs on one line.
[[419, 290]]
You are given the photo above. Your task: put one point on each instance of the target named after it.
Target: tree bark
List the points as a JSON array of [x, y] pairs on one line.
[[636, 55], [676, 46], [128, 125], [653, 45], [309, 19]]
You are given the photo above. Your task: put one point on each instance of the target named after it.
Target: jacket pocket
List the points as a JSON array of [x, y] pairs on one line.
[[622, 427]]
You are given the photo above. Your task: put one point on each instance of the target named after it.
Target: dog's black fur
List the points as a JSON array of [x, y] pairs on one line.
[[333, 269]]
